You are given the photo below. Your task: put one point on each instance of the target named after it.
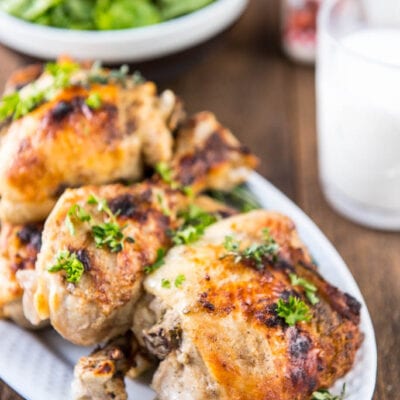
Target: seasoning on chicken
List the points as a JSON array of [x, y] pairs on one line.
[[77, 125]]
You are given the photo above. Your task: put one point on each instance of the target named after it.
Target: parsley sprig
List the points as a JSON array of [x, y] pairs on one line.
[[107, 234], [324, 394], [166, 174], [159, 262], [239, 197], [196, 220], [309, 288], [93, 101], [68, 262], [20, 103], [76, 213], [293, 310], [179, 280], [256, 253]]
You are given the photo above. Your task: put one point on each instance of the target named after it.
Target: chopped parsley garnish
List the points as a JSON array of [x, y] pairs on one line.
[[324, 394], [93, 101], [256, 253], [159, 262], [101, 204], [98, 74], [179, 280], [62, 73], [20, 103], [165, 171], [76, 213], [293, 310], [166, 174], [196, 220], [69, 263], [239, 198], [165, 283], [120, 74], [109, 234], [309, 288], [164, 205]]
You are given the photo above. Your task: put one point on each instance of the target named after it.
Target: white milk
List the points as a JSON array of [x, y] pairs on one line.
[[359, 125]]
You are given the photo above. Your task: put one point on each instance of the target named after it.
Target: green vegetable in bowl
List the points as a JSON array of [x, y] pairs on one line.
[[99, 14], [122, 14], [175, 8]]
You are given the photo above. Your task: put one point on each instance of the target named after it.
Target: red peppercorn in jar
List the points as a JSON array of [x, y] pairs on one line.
[[299, 26]]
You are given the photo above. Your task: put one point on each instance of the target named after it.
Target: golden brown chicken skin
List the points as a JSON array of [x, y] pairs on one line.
[[100, 304], [70, 141], [233, 343], [19, 246]]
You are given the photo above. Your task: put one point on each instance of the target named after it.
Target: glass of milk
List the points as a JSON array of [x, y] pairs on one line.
[[358, 98]]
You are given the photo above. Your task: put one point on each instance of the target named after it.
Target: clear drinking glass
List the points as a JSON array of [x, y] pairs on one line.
[[358, 100]]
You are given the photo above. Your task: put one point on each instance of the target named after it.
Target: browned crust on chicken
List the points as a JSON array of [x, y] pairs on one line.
[[208, 155], [66, 143]]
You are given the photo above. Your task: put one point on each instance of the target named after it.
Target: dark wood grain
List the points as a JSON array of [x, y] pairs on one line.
[[270, 104]]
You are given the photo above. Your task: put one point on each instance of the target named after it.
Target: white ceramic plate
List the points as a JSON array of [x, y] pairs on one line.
[[40, 365], [137, 44]]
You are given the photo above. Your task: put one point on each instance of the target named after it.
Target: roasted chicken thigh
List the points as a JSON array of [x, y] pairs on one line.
[[243, 314], [91, 127]]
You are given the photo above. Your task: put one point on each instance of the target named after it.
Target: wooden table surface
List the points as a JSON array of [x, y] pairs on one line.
[[270, 104]]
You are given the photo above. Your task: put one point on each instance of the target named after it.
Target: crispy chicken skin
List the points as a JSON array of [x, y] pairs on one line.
[[19, 246], [232, 345], [66, 143], [100, 306]]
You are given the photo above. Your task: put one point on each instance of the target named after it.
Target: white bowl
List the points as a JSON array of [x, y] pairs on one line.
[[136, 44]]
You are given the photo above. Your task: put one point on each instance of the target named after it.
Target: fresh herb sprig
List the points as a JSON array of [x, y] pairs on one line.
[[256, 253], [107, 234], [239, 198], [19, 103], [76, 213], [94, 101], [179, 281], [309, 288], [196, 220], [68, 262], [324, 394], [166, 174], [159, 262], [293, 310]]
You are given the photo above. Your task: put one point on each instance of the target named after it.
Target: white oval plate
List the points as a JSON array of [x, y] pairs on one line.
[[136, 44], [40, 365]]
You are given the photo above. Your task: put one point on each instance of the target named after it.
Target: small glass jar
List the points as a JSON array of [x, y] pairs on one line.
[[299, 28]]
